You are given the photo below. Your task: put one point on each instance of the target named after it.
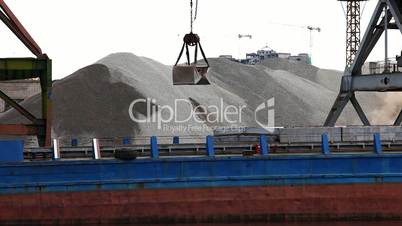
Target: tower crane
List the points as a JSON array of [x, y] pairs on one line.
[[245, 36], [311, 29]]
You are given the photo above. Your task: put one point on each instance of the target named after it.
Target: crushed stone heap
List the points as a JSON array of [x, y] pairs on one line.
[[95, 100]]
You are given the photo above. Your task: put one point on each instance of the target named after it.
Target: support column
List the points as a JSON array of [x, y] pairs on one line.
[[359, 110], [377, 143], [398, 120], [264, 146], [210, 146], [325, 144], [56, 149], [337, 108], [46, 85], [154, 148], [96, 149]]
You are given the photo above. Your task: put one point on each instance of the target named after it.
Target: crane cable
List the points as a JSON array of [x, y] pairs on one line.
[[362, 11], [193, 18], [343, 8], [364, 7]]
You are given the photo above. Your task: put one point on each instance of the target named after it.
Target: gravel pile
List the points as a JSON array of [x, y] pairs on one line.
[[94, 101]]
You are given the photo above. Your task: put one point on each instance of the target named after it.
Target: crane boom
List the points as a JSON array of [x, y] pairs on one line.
[[12, 22], [314, 28], [245, 36]]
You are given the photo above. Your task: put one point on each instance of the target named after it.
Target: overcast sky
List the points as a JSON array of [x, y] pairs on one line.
[[76, 33]]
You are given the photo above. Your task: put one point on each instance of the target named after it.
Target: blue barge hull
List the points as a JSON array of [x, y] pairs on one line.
[[208, 189], [99, 175]]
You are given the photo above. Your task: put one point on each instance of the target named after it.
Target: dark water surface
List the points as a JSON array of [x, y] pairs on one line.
[[354, 223]]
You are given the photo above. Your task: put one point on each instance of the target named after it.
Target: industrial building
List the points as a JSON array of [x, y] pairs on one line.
[[264, 54]]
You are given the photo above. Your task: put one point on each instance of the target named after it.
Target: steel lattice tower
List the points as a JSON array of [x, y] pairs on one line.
[[353, 16]]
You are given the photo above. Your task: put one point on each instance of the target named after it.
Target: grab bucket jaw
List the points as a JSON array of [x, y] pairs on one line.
[[190, 75]]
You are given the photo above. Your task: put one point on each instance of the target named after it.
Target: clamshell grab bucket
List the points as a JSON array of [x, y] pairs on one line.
[[190, 75]]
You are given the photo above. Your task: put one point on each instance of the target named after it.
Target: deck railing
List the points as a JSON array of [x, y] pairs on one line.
[[264, 146]]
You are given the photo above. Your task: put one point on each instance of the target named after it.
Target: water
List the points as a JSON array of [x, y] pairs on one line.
[[354, 223]]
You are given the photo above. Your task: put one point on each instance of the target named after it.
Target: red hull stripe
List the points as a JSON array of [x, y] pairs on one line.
[[232, 204]]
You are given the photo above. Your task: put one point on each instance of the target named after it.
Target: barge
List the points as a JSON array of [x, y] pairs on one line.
[[217, 183]]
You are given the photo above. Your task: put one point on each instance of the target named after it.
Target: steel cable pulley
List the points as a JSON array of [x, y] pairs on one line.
[[191, 73]]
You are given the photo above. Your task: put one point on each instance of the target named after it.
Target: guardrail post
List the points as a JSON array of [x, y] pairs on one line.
[[176, 140], [264, 146], [96, 149], [325, 144], [74, 142], [56, 149], [126, 141], [377, 143], [210, 146], [154, 147]]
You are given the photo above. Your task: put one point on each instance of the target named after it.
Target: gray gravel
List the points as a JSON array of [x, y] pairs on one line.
[[94, 101]]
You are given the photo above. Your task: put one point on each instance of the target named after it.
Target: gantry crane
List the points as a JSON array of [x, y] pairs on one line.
[[27, 68], [387, 15]]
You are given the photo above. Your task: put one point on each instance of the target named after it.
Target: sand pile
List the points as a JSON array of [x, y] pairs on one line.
[[95, 101]]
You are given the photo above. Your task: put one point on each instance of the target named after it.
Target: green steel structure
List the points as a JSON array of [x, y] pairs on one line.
[[27, 68]]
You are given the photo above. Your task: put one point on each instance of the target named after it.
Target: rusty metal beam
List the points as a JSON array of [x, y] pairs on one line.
[[19, 130], [12, 22], [19, 108]]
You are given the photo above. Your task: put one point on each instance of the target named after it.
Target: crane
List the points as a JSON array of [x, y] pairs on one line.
[[241, 37], [353, 15], [27, 68], [12, 22], [191, 73], [245, 36], [311, 30], [386, 16]]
